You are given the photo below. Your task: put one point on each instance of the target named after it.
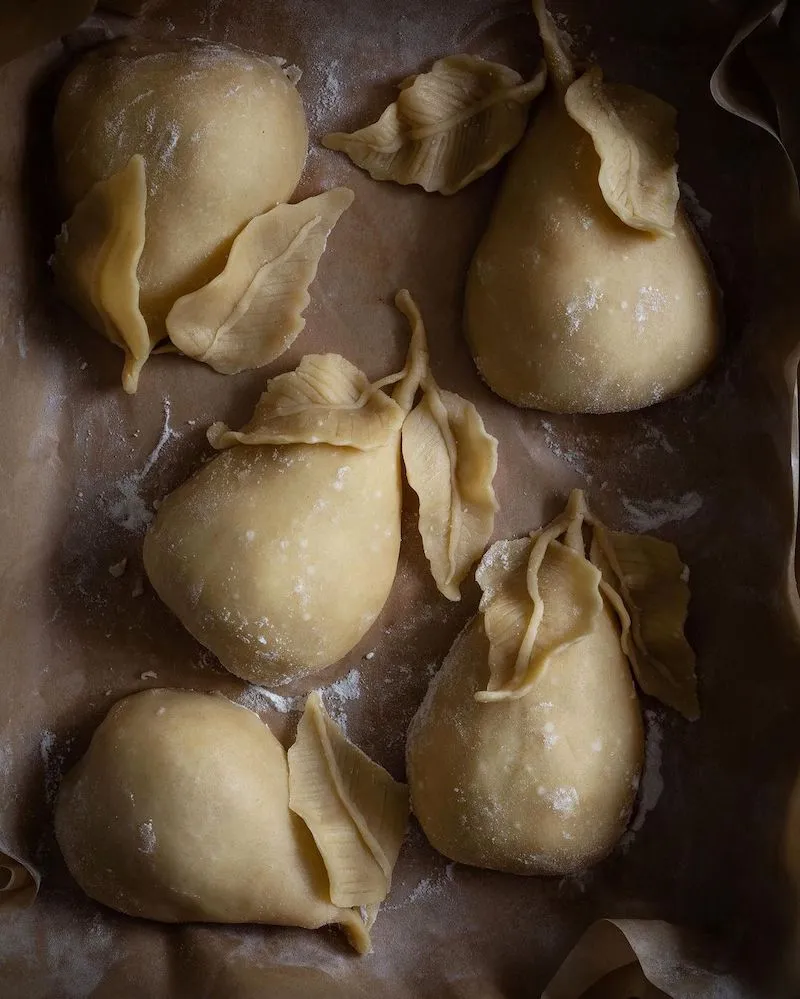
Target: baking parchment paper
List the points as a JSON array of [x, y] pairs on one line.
[[696, 888]]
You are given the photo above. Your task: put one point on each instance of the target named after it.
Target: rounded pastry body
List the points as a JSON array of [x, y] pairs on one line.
[[543, 784], [280, 558], [570, 310], [223, 135], [179, 812]]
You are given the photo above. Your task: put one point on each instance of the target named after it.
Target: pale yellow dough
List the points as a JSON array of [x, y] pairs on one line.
[[525, 755], [516, 785], [589, 291], [279, 554], [279, 559], [223, 136], [180, 812]]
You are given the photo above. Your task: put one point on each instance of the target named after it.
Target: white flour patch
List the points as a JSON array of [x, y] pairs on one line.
[[577, 307], [323, 108], [570, 454], [652, 783], [336, 697], [128, 508], [427, 888], [147, 837], [701, 217], [645, 516]]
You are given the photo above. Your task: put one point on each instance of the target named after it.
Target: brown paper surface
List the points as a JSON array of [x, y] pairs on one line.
[[81, 464]]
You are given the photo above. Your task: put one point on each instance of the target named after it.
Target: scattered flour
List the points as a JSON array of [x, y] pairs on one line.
[[577, 307], [323, 108], [652, 782], [646, 516], [701, 217], [336, 697], [52, 757], [147, 837], [128, 508]]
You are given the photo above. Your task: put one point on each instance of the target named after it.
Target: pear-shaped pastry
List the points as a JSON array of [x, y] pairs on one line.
[[280, 553], [182, 810], [589, 291], [172, 158], [526, 753]]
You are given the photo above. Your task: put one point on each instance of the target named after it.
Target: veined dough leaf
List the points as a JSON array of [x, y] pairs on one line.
[[327, 400], [251, 312], [526, 631], [506, 605], [642, 578], [355, 811], [450, 463], [19, 884], [95, 261], [447, 127], [650, 578], [635, 137], [556, 55]]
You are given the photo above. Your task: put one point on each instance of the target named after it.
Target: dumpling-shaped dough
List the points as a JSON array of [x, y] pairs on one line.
[[526, 753], [589, 291], [223, 136], [280, 553], [175, 160], [180, 812], [542, 784]]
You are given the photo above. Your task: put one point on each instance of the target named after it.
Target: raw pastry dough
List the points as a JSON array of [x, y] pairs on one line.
[[447, 127], [180, 811], [589, 291], [526, 753], [220, 137], [280, 554]]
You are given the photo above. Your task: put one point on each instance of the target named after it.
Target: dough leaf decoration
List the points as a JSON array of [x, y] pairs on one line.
[[450, 463], [557, 58], [354, 809], [447, 127], [635, 137], [95, 262], [524, 635], [650, 579], [578, 562], [19, 883], [252, 311], [327, 400]]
